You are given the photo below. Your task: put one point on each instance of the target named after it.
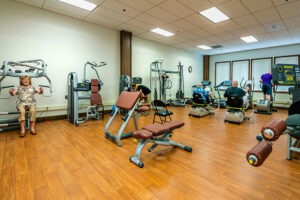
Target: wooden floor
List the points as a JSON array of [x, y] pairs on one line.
[[68, 162]]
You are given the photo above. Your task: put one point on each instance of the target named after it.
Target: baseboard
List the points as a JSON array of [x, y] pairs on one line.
[[62, 117]]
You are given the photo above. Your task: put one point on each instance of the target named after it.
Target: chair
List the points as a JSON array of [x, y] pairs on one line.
[[235, 110], [198, 99], [96, 102], [235, 101], [160, 110]]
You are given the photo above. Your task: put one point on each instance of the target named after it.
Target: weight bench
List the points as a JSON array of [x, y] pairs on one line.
[[158, 134], [128, 102]]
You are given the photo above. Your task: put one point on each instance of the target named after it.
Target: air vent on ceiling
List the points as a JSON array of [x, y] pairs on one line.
[[216, 46]]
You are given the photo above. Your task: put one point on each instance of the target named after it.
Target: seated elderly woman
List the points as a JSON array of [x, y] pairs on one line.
[[200, 95]]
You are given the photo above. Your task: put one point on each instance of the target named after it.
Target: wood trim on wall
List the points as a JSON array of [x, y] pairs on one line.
[[126, 51]]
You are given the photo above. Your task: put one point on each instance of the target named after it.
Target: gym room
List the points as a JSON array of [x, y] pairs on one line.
[[149, 100]]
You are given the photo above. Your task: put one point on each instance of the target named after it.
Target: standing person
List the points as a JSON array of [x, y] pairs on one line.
[[25, 99], [235, 90], [266, 80]]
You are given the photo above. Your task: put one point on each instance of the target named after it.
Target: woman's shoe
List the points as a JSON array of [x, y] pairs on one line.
[[22, 134], [33, 132]]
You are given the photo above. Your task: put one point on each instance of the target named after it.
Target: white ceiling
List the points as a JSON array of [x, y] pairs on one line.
[[272, 22]]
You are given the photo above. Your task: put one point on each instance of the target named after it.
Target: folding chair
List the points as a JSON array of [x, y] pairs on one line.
[[160, 110]]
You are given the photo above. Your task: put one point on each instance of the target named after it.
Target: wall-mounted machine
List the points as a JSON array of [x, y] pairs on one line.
[[32, 68], [160, 81]]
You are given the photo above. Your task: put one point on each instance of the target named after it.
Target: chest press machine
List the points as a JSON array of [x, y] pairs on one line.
[[32, 68], [158, 134]]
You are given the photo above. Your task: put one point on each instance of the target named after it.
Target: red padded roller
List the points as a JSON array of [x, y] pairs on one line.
[[259, 153], [273, 129]]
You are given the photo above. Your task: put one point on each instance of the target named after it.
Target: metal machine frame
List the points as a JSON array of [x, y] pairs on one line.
[[203, 109], [239, 114], [73, 96], [164, 83], [128, 103]]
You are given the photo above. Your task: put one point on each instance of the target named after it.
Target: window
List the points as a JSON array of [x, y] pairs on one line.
[[240, 71], [259, 67], [222, 73]]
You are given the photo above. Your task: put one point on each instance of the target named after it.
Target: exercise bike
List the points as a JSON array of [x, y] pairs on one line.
[[236, 110], [266, 106], [224, 85], [203, 106]]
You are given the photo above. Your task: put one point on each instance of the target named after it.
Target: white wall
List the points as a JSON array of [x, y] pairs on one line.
[[65, 44], [260, 53]]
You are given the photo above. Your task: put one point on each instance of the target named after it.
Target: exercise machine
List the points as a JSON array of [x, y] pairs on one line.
[[125, 83], [158, 134], [223, 85], [271, 132], [73, 96], [266, 106], [32, 68], [180, 100], [128, 102], [236, 110], [200, 107], [162, 76], [283, 74], [250, 84]]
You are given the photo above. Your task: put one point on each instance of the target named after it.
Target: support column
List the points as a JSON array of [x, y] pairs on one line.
[[125, 48], [206, 67]]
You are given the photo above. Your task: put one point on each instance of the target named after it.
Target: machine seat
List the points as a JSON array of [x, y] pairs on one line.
[[235, 102], [151, 130]]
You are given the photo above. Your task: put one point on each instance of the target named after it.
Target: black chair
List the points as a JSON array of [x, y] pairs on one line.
[[160, 110], [235, 101]]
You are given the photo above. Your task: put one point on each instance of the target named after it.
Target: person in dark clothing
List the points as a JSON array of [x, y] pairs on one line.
[[266, 80], [143, 89], [235, 90]]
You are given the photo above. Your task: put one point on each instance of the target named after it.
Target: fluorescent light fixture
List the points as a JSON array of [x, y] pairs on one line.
[[162, 32], [249, 39], [81, 4], [204, 47], [214, 14]]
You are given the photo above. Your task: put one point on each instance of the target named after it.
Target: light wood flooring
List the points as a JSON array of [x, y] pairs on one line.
[[68, 162]]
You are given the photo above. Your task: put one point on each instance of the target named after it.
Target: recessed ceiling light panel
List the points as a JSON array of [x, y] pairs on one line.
[[204, 47], [162, 32], [214, 15], [249, 39], [81, 4]]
